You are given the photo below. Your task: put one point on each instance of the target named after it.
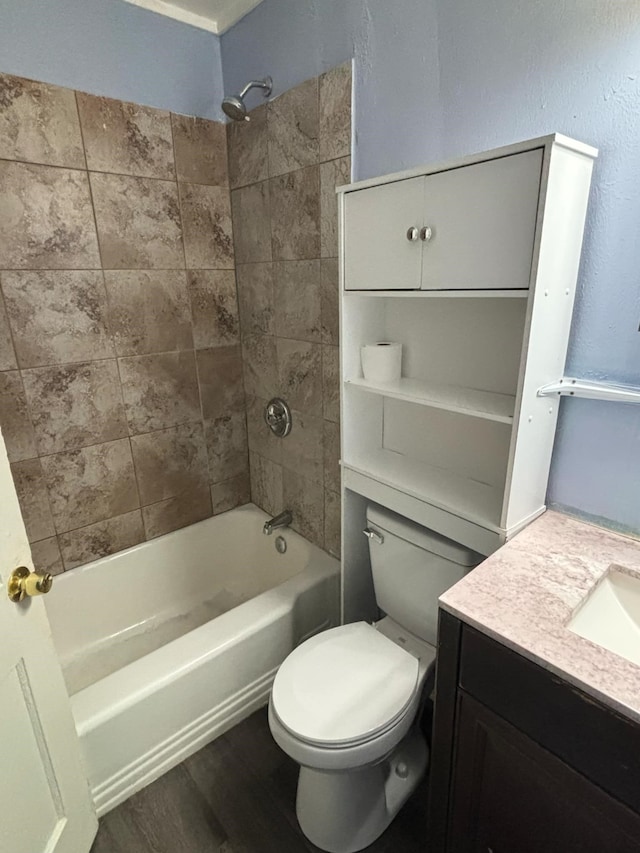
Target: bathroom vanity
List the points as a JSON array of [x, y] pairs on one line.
[[536, 738]]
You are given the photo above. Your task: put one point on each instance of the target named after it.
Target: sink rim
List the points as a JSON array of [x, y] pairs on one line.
[[616, 635]]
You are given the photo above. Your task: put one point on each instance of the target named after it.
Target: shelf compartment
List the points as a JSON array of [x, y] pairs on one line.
[[521, 293], [476, 502], [466, 401], [474, 536]]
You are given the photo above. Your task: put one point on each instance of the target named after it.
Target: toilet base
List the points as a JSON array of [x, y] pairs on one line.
[[345, 811]]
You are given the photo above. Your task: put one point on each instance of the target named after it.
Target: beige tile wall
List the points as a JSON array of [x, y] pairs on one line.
[[121, 373], [284, 166], [121, 398]]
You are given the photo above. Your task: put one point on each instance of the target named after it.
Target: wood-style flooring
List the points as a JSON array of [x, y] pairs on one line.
[[237, 795]]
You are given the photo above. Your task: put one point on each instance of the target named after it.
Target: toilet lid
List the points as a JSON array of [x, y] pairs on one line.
[[344, 685]]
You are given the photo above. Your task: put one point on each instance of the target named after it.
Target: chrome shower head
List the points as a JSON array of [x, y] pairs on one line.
[[234, 105], [235, 108]]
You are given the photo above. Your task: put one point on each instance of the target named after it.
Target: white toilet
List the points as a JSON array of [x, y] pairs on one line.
[[345, 703]]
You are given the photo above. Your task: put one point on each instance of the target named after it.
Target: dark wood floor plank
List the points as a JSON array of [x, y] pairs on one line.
[[169, 816], [253, 741], [236, 795], [241, 800], [104, 841], [408, 831]]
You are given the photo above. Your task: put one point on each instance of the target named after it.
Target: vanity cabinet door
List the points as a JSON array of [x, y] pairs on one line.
[[512, 796], [483, 220], [382, 246]]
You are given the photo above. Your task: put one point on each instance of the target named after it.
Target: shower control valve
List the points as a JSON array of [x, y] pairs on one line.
[[277, 415]]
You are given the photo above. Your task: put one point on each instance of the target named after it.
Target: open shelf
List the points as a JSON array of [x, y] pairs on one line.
[[477, 502], [505, 293], [466, 401]]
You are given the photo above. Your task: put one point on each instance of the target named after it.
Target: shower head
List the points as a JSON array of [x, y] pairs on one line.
[[234, 105], [235, 108]]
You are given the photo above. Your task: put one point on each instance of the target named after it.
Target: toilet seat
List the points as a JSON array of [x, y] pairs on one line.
[[344, 687]]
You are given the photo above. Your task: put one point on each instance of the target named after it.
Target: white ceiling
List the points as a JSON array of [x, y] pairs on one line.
[[213, 15]]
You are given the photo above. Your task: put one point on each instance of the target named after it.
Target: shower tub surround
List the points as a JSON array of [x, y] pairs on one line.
[[209, 614], [284, 166], [121, 398], [123, 404], [121, 347]]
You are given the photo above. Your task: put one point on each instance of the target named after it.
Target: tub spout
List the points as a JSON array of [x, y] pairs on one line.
[[282, 520]]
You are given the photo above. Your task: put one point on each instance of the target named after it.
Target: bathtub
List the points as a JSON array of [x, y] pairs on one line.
[[168, 644]]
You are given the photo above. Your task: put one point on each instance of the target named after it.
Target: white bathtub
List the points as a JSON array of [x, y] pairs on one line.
[[170, 643]]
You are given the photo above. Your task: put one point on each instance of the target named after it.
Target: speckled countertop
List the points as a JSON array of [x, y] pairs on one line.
[[524, 595]]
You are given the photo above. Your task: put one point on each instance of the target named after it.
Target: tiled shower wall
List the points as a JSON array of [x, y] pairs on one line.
[[284, 166], [121, 384], [121, 396]]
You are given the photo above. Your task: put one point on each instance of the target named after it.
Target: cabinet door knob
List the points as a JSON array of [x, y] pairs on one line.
[[426, 233], [412, 234]]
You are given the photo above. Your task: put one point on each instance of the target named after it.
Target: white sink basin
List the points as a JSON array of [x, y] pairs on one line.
[[610, 615]]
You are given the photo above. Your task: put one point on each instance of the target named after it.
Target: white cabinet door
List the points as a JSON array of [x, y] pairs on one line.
[[482, 219], [46, 807], [379, 250]]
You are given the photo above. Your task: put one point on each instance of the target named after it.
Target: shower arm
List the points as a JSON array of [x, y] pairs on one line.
[[257, 84]]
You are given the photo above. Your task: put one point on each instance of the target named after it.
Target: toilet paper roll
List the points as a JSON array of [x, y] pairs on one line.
[[381, 362]]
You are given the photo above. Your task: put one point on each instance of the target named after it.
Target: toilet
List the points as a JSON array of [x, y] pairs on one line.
[[346, 703]]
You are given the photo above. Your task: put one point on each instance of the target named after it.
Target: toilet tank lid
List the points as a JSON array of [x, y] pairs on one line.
[[422, 537]]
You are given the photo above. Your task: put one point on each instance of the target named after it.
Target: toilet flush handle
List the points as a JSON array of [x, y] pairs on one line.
[[370, 533]]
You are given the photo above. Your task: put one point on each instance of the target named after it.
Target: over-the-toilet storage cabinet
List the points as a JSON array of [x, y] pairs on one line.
[[472, 266]]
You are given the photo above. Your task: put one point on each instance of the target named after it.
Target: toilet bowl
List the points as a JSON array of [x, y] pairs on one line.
[[346, 703]]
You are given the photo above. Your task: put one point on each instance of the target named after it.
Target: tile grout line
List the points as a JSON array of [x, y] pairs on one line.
[[110, 173], [241, 351], [187, 280], [238, 299], [81, 447], [195, 356], [30, 416], [151, 354], [112, 338]]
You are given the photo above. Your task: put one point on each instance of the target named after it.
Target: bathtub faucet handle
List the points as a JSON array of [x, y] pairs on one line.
[[284, 519]]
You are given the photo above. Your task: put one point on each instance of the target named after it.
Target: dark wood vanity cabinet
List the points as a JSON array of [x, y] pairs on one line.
[[522, 762]]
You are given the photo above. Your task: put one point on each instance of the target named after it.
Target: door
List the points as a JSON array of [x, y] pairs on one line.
[[512, 796], [382, 245], [46, 807], [483, 220]]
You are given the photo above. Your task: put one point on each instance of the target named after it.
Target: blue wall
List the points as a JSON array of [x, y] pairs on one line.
[[109, 47], [513, 69], [447, 77], [397, 117]]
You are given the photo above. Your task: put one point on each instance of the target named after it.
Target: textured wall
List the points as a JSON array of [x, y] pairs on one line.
[[396, 107], [453, 76], [515, 70], [121, 398], [284, 166], [109, 47]]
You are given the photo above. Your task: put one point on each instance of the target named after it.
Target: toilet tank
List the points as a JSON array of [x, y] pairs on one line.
[[412, 566]]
